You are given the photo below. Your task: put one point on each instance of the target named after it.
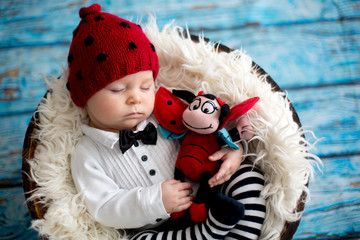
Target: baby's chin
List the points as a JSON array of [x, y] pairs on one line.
[[131, 124]]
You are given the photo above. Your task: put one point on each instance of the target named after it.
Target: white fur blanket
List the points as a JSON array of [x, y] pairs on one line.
[[278, 148]]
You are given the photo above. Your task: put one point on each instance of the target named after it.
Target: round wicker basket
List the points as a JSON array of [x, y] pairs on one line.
[[37, 210]]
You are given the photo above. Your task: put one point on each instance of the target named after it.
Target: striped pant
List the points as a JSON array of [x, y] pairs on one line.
[[245, 187]]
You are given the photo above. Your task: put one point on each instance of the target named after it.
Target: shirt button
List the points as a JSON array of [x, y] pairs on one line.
[[152, 172], [144, 158], [136, 144]]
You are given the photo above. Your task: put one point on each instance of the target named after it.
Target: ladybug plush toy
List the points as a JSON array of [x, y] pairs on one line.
[[200, 125]]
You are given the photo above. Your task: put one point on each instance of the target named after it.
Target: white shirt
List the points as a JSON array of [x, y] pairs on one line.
[[123, 190]]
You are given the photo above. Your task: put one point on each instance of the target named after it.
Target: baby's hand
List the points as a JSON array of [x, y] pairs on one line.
[[231, 163], [176, 195]]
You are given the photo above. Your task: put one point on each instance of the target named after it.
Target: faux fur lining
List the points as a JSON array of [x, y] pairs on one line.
[[278, 149]]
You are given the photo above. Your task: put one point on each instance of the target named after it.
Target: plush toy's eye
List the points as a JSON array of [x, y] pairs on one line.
[[208, 107], [195, 104]]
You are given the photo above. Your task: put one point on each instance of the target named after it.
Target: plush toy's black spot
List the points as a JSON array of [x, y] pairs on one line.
[[125, 25], [98, 18], [102, 57], [173, 122], [169, 102], [88, 40], [79, 74], [152, 47], [70, 58], [68, 86], [132, 46], [75, 31]]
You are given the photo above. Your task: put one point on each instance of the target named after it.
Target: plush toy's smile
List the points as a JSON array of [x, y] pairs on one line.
[[196, 127]]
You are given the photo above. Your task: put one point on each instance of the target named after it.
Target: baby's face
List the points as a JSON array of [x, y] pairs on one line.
[[123, 103]]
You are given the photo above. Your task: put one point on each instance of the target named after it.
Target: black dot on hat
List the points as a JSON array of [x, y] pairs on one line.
[[169, 102], [75, 31], [139, 26], [98, 18], [102, 57], [124, 25], [173, 122], [152, 47], [132, 46], [70, 58], [88, 40], [68, 86], [79, 74]]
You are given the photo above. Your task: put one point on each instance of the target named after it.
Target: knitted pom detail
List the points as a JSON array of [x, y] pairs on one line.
[[84, 11]]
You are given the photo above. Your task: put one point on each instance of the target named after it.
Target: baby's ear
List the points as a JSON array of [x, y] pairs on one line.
[[184, 95]]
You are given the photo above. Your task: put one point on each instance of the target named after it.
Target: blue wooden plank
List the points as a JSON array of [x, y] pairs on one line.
[[12, 134], [14, 216], [346, 175], [334, 209], [333, 114], [53, 22], [21, 82], [305, 55], [10, 172]]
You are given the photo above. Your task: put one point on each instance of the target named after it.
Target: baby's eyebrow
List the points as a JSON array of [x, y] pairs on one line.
[[114, 84], [147, 82]]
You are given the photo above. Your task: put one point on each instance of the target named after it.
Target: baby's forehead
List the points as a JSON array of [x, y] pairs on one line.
[[138, 77]]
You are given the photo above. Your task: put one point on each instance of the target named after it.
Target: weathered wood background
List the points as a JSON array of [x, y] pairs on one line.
[[311, 48]]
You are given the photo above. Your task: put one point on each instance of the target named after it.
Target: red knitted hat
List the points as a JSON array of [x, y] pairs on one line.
[[106, 48]]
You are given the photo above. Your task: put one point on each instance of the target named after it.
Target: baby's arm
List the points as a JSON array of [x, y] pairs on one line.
[[231, 163], [231, 159], [110, 205]]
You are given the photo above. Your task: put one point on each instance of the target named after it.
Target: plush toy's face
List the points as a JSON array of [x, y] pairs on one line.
[[202, 115]]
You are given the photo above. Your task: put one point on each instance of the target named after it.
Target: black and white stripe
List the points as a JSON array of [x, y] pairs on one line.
[[210, 229], [245, 186]]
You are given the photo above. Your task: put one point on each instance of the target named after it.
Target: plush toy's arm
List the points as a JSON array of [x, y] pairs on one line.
[[170, 135], [226, 138]]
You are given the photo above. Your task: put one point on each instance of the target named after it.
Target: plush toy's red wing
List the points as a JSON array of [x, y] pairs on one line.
[[168, 111], [239, 110]]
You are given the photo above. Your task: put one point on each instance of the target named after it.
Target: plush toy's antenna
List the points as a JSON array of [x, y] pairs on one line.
[[184, 94]]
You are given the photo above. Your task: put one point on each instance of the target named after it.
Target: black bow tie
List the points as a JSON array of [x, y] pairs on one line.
[[127, 137]]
